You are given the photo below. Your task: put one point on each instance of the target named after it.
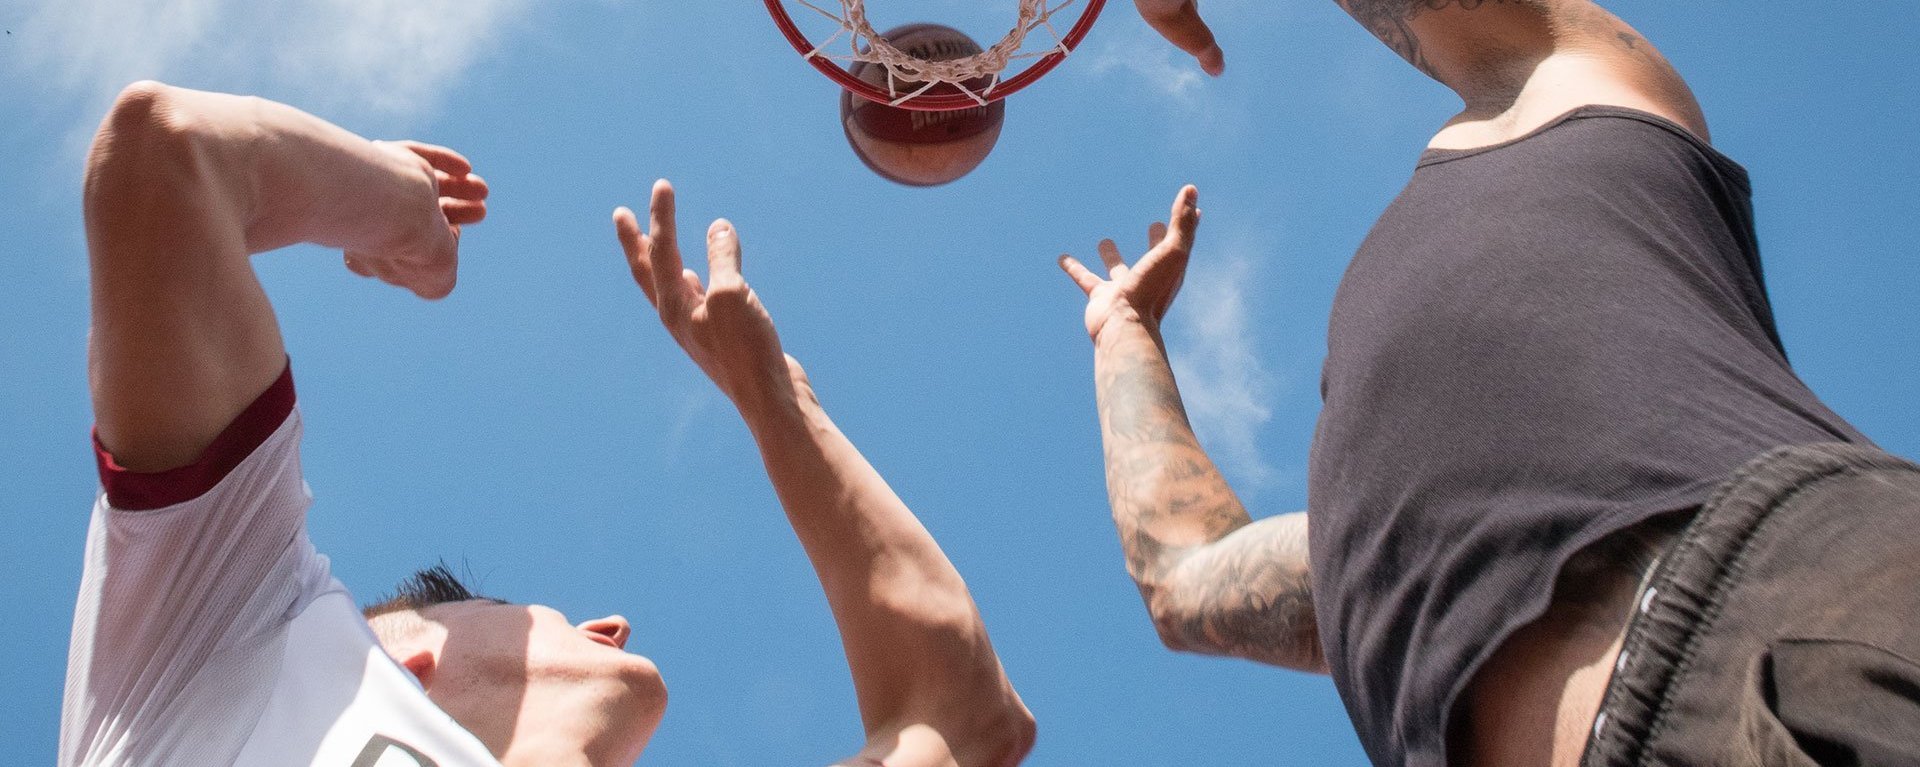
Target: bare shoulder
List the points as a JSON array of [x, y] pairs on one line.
[[1519, 64], [1596, 59]]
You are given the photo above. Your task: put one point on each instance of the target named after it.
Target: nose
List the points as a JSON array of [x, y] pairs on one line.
[[612, 627]]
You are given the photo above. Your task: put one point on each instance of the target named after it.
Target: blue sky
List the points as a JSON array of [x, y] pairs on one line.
[[541, 430]]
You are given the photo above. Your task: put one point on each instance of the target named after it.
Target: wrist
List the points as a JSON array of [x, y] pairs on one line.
[[777, 408], [347, 188], [1125, 327]]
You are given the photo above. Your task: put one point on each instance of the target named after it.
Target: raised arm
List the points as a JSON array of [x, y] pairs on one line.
[[1214, 580], [1519, 63], [931, 690], [181, 187]]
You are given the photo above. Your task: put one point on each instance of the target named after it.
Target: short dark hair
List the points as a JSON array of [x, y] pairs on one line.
[[425, 588]]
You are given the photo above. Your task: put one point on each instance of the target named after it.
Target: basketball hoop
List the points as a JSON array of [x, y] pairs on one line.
[[935, 86]]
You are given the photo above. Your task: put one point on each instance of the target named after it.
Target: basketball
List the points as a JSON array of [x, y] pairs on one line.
[[920, 148]]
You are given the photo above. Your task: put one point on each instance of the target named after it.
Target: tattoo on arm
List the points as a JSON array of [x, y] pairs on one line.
[[1214, 581], [1392, 22], [1249, 595]]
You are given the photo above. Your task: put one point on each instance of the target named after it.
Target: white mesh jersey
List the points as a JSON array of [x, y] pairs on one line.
[[210, 632]]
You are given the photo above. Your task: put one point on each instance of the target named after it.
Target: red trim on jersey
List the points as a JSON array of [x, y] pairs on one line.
[[141, 491]]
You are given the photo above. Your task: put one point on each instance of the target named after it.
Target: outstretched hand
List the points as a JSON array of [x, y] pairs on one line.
[[1142, 292], [1179, 21], [433, 192], [721, 326]]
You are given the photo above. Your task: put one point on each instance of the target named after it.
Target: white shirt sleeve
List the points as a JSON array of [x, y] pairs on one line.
[[180, 621]]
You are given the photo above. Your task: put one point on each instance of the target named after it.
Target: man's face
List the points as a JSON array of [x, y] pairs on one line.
[[533, 685]]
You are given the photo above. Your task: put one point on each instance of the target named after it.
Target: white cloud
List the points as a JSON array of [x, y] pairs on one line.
[[377, 58], [1143, 55], [1226, 389]]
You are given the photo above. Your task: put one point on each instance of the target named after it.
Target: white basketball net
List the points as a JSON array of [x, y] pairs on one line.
[[922, 74]]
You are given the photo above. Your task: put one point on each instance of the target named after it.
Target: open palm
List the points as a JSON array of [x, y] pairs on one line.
[[722, 326], [1144, 291]]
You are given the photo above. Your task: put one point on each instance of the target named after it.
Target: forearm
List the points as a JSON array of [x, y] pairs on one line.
[[1214, 581], [1167, 495], [921, 661]]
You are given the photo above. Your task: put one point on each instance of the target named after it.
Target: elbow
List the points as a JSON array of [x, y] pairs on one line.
[[151, 139], [1174, 621], [152, 173], [1176, 629], [1272, 634], [145, 117], [140, 103]]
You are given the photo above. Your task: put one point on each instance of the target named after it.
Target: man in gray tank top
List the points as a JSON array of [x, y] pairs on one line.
[[1569, 502]]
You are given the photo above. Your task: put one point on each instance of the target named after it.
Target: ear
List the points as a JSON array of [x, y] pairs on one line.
[[420, 662]]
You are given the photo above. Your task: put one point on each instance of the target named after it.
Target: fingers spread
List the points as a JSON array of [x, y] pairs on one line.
[[1156, 232], [723, 254], [627, 229], [634, 244], [663, 249], [1110, 255], [690, 282], [1185, 216], [1081, 275]]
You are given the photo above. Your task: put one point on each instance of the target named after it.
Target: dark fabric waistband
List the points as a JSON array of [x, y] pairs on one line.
[[1689, 587]]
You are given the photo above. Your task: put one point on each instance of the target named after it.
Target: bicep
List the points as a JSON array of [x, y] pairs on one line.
[[1247, 595], [183, 337]]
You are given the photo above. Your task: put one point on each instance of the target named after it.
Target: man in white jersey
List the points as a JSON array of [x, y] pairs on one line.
[[209, 631]]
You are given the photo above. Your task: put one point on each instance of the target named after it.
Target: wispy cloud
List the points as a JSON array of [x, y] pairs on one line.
[[378, 58], [1226, 388], [1143, 55]]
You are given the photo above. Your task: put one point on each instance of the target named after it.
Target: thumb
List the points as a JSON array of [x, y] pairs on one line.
[[1179, 22], [440, 265]]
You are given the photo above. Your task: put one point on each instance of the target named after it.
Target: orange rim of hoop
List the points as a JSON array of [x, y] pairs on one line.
[[937, 99]]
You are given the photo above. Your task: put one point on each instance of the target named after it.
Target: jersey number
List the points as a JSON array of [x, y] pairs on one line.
[[374, 755]]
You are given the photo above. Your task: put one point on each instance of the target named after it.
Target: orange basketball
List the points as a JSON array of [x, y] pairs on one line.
[[919, 148]]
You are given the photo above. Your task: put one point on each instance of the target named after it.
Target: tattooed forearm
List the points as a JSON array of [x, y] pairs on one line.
[[1144, 405], [1214, 581], [1165, 492]]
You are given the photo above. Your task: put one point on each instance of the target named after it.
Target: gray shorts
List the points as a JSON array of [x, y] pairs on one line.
[[1783, 627]]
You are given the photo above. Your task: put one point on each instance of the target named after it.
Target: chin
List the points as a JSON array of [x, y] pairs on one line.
[[636, 711]]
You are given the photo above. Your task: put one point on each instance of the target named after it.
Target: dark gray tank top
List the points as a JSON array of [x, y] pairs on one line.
[[1539, 343]]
